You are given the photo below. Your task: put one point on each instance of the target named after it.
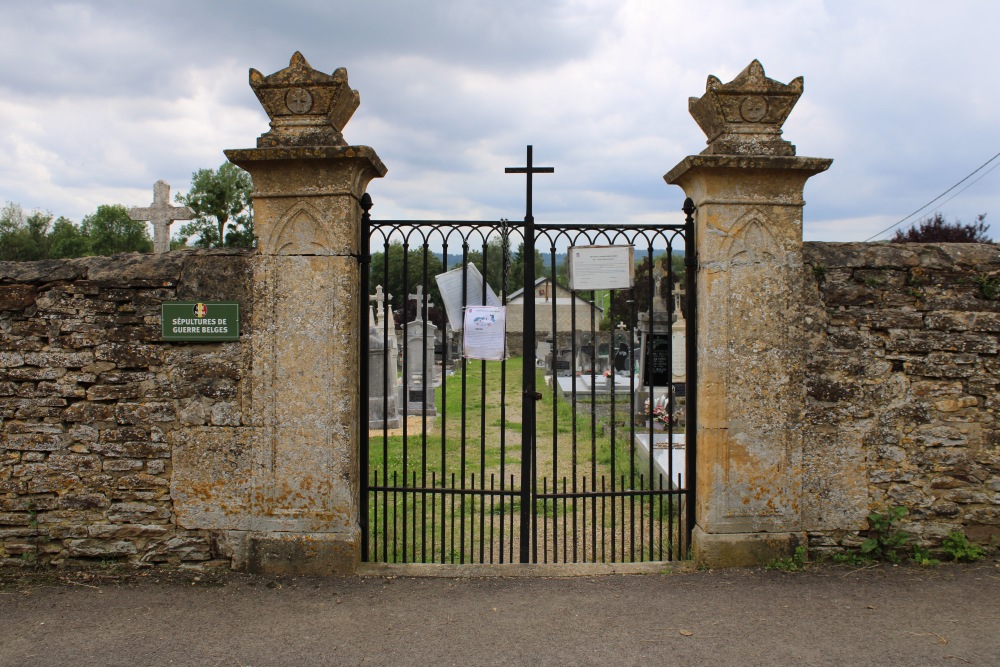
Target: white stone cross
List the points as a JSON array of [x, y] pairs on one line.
[[161, 214], [421, 298], [380, 298]]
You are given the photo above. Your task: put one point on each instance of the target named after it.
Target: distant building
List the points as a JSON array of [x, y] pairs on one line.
[[547, 293]]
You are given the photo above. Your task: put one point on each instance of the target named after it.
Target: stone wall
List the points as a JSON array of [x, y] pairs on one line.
[[89, 396], [903, 386]]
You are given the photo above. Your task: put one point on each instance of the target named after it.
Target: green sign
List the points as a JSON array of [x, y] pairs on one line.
[[200, 320]]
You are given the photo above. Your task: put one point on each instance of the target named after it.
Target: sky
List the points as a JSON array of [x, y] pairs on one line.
[[101, 98]]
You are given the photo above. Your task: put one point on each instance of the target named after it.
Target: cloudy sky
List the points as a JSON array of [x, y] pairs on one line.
[[100, 98]]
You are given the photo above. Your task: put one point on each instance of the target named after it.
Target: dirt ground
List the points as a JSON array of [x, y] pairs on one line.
[[831, 615]]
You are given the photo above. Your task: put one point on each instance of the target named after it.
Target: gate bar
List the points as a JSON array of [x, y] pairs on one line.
[[691, 363], [530, 394]]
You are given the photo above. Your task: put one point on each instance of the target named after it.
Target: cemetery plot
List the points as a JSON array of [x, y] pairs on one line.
[[452, 492]]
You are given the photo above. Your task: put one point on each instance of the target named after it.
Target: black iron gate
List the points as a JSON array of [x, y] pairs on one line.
[[582, 453]]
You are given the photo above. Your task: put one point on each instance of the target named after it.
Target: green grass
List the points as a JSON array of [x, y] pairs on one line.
[[481, 444]]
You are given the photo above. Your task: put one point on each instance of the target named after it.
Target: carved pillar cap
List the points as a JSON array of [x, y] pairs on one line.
[[306, 106], [744, 116]]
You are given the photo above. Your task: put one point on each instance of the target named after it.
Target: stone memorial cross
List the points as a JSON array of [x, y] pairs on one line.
[[161, 214], [380, 298], [422, 301]]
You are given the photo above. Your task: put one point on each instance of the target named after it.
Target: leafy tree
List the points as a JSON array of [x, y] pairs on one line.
[[936, 229], [67, 240], [392, 279], [220, 197], [112, 231], [516, 278], [23, 238]]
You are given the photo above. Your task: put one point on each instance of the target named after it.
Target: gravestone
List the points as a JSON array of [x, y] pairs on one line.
[[420, 379], [383, 374], [161, 214], [658, 339]]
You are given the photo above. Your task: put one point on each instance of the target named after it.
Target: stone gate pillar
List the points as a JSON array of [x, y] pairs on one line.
[[303, 514], [747, 186]]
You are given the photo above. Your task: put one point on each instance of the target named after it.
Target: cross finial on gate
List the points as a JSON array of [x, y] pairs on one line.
[[529, 170]]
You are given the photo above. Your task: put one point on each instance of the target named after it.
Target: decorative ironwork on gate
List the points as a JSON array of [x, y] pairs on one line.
[[576, 447]]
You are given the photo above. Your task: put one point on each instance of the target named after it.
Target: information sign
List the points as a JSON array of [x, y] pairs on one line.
[[200, 320], [600, 267]]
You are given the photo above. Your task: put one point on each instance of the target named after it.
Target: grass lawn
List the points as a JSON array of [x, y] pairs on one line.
[[475, 446]]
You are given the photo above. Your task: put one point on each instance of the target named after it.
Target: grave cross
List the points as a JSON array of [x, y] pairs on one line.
[[161, 214], [380, 298], [423, 301]]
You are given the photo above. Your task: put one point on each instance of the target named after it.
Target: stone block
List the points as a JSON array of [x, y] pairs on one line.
[[16, 297], [743, 549], [212, 477], [136, 512], [93, 548], [300, 554], [33, 442], [114, 531], [114, 392], [59, 359], [83, 501], [11, 359], [226, 414], [130, 355]]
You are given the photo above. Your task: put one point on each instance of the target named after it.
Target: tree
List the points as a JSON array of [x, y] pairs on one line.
[[67, 240], [936, 229], [219, 197], [112, 231], [23, 238], [388, 272]]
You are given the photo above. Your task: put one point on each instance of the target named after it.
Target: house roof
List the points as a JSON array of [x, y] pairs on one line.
[[538, 281], [544, 279]]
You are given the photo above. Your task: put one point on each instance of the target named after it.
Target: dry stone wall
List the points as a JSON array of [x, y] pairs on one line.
[[89, 394], [903, 387]]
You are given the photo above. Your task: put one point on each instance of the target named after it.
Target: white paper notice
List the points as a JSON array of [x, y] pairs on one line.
[[450, 286], [600, 267], [484, 332]]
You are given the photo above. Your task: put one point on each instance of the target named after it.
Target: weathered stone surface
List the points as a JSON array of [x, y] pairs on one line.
[[916, 446], [92, 548], [85, 401], [751, 392], [16, 297], [213, 477]]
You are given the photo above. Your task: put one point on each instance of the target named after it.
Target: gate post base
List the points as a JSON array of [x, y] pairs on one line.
[[316, 554], [720, 550]]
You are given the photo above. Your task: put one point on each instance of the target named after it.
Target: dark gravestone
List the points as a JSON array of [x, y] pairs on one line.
[[657, 369]]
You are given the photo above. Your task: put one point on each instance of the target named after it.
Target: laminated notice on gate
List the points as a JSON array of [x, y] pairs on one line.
[[595, 267], [484, 332], [455, 296]]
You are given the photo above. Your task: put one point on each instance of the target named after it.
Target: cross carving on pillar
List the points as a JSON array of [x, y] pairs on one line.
[[161, 214]]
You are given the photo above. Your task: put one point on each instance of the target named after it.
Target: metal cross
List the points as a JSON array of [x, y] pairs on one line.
[[529, 170], [161, 214]]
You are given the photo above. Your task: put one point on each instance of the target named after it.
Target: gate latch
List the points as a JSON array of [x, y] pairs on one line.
[[537, 395]]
